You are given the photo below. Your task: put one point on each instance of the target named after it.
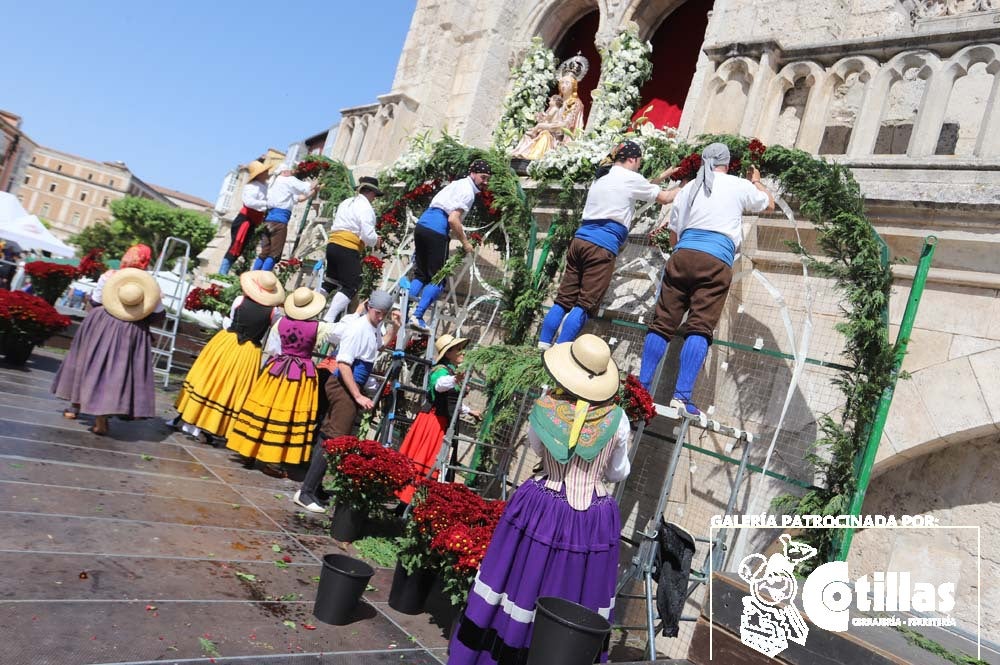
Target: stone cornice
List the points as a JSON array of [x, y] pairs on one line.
[[360, 110], [945, 42]]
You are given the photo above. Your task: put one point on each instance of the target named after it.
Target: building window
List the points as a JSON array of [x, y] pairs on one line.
[[45, 209], [90, 176], [111, 182], [27, 179], [104, 203], [76, 218], [83, 196], [59, 167], [52, 187]]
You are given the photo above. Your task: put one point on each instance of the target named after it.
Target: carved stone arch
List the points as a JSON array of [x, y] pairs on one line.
[[805, 76], [842, 97], [968, 114], [649, 14], [551, 20], [722, 114], [877, 101]]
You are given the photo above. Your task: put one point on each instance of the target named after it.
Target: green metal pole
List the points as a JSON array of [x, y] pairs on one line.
[[864, 470]]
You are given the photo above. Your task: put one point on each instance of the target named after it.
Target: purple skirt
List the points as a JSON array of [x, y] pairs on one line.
[[541, 547], [109, 368]]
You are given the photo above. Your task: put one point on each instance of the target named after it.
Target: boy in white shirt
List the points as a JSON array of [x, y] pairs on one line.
[[281, 197]]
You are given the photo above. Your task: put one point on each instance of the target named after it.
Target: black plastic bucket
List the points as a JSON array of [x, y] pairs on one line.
[[409, 592], [566, 633], [341, 584], [348, 523]]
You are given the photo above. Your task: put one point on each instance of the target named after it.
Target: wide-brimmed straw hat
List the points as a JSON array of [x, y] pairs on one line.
[[584, 368], [368, 182], [255, 168], [263, 287], [130, 294], [303, 303], [446, 342]]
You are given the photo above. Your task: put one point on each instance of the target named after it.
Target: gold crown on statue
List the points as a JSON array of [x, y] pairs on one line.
[[577, 67]]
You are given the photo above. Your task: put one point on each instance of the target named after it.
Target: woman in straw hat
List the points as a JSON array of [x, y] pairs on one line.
[[225, 371], [276, 421], [558, 535], [109, 367], [423, 440], [250, 215]]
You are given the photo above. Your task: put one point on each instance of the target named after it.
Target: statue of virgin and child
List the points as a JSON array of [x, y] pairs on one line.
[[563, 119]]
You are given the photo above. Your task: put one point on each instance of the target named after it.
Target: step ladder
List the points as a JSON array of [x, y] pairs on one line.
[[177, 285]]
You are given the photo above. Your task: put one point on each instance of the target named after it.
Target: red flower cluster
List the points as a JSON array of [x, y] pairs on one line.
[[373, 262], [46, 270], [475, 238], [636, 400], [455, 523], [660, 237], [91, 265], [416, 345], [365, 474], [756, 150], [389, 222], [29, 317], [195, 300], [489, 202], [311, 168], [688, 168]]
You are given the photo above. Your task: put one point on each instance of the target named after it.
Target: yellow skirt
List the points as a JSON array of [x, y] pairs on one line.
[[277, 420], [219, 381]]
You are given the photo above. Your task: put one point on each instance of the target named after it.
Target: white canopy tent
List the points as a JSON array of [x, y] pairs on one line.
[[30, 233], [10, 208]]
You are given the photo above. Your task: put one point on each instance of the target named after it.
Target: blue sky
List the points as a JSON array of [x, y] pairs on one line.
[[183, 90]]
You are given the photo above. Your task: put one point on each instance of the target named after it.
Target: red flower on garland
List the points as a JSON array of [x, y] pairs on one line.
[[688, 168], [756, 149], [373, 262], [489, 201], [475, 238], [311, 168], [195, 299], [636, 400]]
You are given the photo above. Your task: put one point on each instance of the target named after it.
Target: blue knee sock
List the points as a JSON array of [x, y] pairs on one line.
[[652, 353], [257, 263], [430, 294], [415, 287], [572, 325], [225, 266], [551, 323], [692, 356], [268, 263]]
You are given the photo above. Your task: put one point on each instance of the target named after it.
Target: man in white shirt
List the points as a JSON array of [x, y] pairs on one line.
[[353, 230], [445, 214], [281, 197], [251, 214], [590, 259], [356, 355], [706, 228]]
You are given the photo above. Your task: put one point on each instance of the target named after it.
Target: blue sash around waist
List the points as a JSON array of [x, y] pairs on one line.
[[281, 215], [434, 219], [606, 233]]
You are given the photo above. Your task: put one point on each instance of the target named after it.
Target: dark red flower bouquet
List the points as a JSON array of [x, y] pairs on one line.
[[26, 319], [688, 168], [50, 280], [365, 474], [449, 530], [488, 200], [91, 265], [636, 400], [311, 167], [201, 299], [285, 268], [755, 151]]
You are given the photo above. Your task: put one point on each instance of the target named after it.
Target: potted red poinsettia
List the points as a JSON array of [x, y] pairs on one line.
[[26, 320], [363, 478]]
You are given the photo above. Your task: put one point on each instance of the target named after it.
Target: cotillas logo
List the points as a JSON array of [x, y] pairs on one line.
[[827, 597], [764, 625]]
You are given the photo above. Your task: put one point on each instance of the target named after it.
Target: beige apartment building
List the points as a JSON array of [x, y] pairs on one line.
[[72, 192]]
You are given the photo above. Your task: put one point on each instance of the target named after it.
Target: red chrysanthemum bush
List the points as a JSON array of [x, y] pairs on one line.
[[365, 474], [201, 298], [50, 280], [28, 319], [636, 400], [449, 529]]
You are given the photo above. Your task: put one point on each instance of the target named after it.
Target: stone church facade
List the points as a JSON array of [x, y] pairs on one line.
[[904, 92]]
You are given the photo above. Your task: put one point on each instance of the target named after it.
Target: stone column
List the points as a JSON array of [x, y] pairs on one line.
[[357, 139], [869, 116], [988, 143], [758, 90], [814, 117], [930, 116], [344, 133]]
